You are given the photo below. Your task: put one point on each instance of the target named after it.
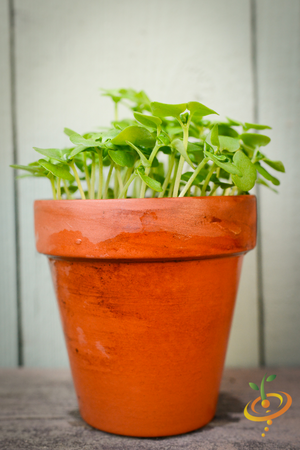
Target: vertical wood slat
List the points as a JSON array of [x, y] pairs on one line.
[[174, 56], [8, 278], [278, 58]]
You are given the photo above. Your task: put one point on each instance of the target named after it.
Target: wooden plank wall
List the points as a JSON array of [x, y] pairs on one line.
[[66, 50], [278, 64], [8, 278]]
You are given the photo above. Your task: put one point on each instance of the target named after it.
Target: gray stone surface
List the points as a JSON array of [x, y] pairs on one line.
[[38, 410]]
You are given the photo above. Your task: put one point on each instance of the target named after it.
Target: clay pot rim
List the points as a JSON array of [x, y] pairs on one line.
[[148, 199], [146, 229]]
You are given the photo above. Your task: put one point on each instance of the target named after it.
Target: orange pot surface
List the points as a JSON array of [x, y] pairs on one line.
[[146, 290]]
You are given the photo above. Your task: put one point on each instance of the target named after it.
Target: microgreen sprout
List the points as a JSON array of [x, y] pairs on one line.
[[164, 150]]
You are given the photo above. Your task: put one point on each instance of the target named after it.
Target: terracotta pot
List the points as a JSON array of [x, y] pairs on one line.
[[146, 291]]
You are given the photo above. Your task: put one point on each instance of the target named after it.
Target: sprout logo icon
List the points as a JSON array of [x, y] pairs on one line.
[[269, 414]]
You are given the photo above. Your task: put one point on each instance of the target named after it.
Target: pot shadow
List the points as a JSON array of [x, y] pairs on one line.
[[227, 405]]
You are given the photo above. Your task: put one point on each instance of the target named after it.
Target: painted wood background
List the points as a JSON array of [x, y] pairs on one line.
[[241, 58]]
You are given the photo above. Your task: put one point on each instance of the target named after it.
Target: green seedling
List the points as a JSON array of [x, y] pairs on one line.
[[162, 150]]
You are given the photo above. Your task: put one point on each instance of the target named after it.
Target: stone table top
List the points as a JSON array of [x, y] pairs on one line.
[[38, 410]]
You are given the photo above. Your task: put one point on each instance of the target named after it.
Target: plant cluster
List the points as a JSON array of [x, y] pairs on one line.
[[164, 150]]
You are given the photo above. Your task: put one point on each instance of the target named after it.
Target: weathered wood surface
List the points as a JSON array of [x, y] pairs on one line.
[[62, 63], [201, 50], [278, 63], [39, 411], [8, 279]]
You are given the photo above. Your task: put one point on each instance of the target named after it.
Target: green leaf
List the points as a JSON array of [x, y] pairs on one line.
[[254, 386], [31, 169], [194, 147], [36, 174], [136, 135], [229, 143], [168, 110], [264, 183], [198, 110], [227, 166], [143, 159], [77, 150], [71, 189], [255, 140], [53, 153], [148, 121], [140, 98], [225, 130], [276, 165], [177, 144], [58, 171], [121, 158], [256, 126], [266, 174], [244, 164], [160, 170], [214, 136], [69, 132], [222, 185], [80, 140], [199, 178], [110, 134], [271, 378], [122, 124], [153, 184], [233, 123]]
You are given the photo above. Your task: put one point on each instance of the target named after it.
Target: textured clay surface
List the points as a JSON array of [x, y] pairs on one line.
[[147, 338], [152, 228]]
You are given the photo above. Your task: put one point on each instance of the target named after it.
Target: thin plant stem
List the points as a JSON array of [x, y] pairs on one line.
[[87, 176], [215, 187], [68, 194], [107, 181], [119, 177], [100, 185], [181, 160], [58, 188], [127, 174], [168, 175], [227, 190], [53, 187], [211, 171], [135, 187], [116, 190], [234, 189], [126, 186], [185, 135], [190, 182], [77, 179], [147, 170], [178, 176], [93, 176], [173, 178]]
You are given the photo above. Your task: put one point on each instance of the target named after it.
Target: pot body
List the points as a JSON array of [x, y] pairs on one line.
[[146, 291]]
